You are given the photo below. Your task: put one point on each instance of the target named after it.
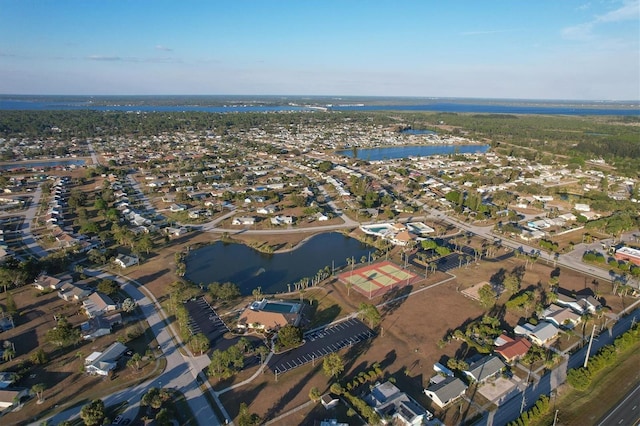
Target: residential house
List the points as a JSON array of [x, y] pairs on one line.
[[282, 220], [97, 304], [582, 207], [485, 368], [446, 391], [49, 282], [590, 215], [512, 349], [125, 261], [177, 208], [11, 397], [388, 401], [569, 217], [270, 209], [579, 304], [244, 220], [175, 232], [99, 326], [540, 334], [73, 292], [561, 316], [101, 363]]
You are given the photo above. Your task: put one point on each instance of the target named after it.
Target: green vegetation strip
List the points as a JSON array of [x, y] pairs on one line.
[[608, 387]]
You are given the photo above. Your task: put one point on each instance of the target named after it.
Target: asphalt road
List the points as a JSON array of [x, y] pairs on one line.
[[180, 372], [627, 412]]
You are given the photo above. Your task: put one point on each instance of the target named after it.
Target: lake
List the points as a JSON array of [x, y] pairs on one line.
[[249, 269], [31, 164], [393, 152]]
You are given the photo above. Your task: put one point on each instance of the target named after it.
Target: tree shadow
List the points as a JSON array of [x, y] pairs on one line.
[[394, 298], [389, 359], [279, 405], [497, 278], [232, 399], [519, 271], [324, 316], [144, 279]]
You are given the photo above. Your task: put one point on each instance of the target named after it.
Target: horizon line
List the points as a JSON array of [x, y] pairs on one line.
[[637, 101]]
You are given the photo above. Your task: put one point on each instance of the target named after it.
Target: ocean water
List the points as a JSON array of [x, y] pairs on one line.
[[221, 104]]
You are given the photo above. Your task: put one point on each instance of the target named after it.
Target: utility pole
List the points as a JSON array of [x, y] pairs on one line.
[[586, 358], [524, 391]]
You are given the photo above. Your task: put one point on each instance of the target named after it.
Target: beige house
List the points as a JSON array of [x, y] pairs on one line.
[[270, 315]]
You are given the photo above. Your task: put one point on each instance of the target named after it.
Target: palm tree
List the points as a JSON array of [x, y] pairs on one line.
[[257, 292], [9, 351], [38, 389]]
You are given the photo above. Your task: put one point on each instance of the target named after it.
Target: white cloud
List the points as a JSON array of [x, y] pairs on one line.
[[629, 11], [163, 48], [579, 32]]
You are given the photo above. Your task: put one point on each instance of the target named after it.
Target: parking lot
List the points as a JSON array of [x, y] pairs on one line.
[[204, 319], [320, 343]]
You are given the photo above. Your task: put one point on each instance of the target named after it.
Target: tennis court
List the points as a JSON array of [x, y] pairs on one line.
[[376, 279]]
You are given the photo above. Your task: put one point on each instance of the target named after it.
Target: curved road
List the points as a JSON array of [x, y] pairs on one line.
[[180, 372]]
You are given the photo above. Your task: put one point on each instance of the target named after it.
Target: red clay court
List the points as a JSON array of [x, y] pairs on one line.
[[376, 279]]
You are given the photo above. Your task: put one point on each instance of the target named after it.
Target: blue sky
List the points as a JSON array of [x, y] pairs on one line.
[[543, 49]]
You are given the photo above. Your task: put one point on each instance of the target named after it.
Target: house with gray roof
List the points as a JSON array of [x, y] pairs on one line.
[[485, 368], [446, 391], [387, 400]]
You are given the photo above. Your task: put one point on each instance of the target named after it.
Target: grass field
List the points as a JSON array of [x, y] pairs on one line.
[[611, 385]]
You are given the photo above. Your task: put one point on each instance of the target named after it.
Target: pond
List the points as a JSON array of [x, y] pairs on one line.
[[41, 164], [249, 269], [392, 152]]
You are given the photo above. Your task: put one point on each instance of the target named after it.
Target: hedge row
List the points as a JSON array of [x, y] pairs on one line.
[[534, 414], [580, 378]]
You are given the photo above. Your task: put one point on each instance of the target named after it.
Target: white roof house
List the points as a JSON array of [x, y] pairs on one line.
[[101, 363], [125, 261], [540, 334], [243, 220]]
